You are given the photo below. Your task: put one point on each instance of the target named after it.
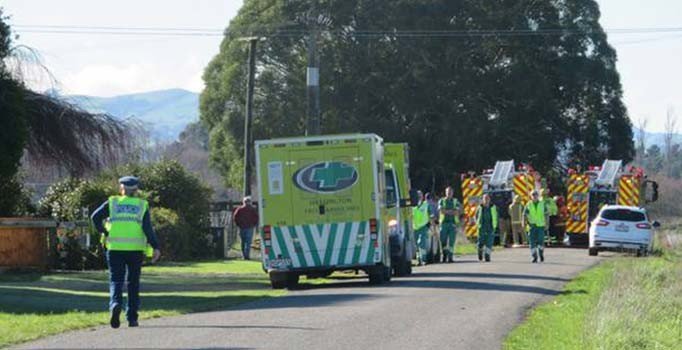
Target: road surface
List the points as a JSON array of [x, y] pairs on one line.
[[465, 305]]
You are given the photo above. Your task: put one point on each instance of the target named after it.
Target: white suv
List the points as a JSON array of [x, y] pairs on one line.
[[619, 228]]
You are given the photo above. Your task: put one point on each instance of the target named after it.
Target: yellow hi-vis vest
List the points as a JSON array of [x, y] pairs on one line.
[[493, 216], [446, 204], [536, 213], [125, 224], [420, 215]]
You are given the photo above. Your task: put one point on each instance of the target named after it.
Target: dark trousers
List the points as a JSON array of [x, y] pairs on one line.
[[120, 264], [246, 236]]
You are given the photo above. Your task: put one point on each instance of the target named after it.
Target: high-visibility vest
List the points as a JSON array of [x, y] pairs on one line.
[[453, 204], [536, 213], [493, 215], [420, 215], [125, 224], [551, 207]]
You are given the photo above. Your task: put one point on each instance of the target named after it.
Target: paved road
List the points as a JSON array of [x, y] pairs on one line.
[[465, 305]]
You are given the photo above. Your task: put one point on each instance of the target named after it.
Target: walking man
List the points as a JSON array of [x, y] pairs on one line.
[[246, 218], [126, 236], [534, 217], [516, 214], [486, 219], [449, 212], [420, 225]]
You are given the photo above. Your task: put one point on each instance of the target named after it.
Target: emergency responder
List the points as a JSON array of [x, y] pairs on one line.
[[534, 218], [449, 208], [127, 234], [486, 219], [551, 212], [516, 215], [420, 225], [561, 218]]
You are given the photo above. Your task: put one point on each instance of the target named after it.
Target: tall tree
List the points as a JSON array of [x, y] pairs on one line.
[[464, 82], [46, 128]]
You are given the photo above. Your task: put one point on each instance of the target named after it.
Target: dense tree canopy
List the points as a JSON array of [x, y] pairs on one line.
[[464, 82]]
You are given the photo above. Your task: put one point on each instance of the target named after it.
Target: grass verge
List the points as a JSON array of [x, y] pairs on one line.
[[36, 305], [623, 303]]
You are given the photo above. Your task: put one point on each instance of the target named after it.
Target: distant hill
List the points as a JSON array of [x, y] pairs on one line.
[[167, 112], [164, 112], [655, 138]]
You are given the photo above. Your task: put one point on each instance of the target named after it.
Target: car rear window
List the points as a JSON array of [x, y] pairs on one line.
[[623, 215]]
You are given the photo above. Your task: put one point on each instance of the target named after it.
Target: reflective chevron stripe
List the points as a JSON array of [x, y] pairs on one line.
[[332, 244]]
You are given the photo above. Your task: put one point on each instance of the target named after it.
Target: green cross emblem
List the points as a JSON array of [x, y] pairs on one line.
[[331, 174]]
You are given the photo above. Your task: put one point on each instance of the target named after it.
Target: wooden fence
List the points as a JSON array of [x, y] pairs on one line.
[[26, 242]]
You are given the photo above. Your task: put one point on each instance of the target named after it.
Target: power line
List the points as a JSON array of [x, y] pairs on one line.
[[265, 32]]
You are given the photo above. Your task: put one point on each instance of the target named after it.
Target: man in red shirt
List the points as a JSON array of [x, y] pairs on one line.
[[246, 217]]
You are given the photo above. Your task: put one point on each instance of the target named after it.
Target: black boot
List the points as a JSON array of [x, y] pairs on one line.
[[535, 257], [542, 255], [480, 254], [487, 258], [115, 320]]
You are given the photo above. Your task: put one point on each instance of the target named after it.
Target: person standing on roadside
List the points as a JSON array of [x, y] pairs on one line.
[[246, 218], [516, 214], [449, 213], [125, 236], [486, 219], [534, 217], [420, 226]]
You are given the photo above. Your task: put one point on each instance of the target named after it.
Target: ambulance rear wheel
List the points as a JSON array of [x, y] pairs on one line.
[[379, 275], [292, 280], [278, 283]]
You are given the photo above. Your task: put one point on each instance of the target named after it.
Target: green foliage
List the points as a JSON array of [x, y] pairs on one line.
[[180, 200], [15, 199], [461, 102]]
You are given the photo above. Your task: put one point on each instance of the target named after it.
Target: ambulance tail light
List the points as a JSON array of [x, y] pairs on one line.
[[267, 238], [373, 226], [374, 232]]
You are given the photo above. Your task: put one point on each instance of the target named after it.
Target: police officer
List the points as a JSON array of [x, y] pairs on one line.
[[449, 211], [486, 219], [420, 225], [534, 218], [127, 234]]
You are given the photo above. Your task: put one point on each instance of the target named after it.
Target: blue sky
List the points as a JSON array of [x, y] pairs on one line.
[[650, 65]]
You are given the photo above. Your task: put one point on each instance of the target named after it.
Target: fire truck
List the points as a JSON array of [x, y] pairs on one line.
[[612, 183], [501, 183]]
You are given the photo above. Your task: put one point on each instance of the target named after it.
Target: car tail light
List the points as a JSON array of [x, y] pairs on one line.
[[373, 226], [602, 223], [644, 226]]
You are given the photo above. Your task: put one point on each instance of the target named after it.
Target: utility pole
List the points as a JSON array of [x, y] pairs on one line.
[[313, 82], [248, 135]]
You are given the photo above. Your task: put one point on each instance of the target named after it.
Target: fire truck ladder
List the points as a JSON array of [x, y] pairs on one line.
[[502, 173], [609, 171]]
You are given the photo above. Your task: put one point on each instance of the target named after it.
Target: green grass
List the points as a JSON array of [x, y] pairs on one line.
[[624, 303], [36, 305]]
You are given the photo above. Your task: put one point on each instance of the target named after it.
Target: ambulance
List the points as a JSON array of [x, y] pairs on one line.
[[399, 198], [323, 208]]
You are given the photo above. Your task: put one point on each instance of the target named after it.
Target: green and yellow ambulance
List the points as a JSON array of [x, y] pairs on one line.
[[397, 170], [322, 207]]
